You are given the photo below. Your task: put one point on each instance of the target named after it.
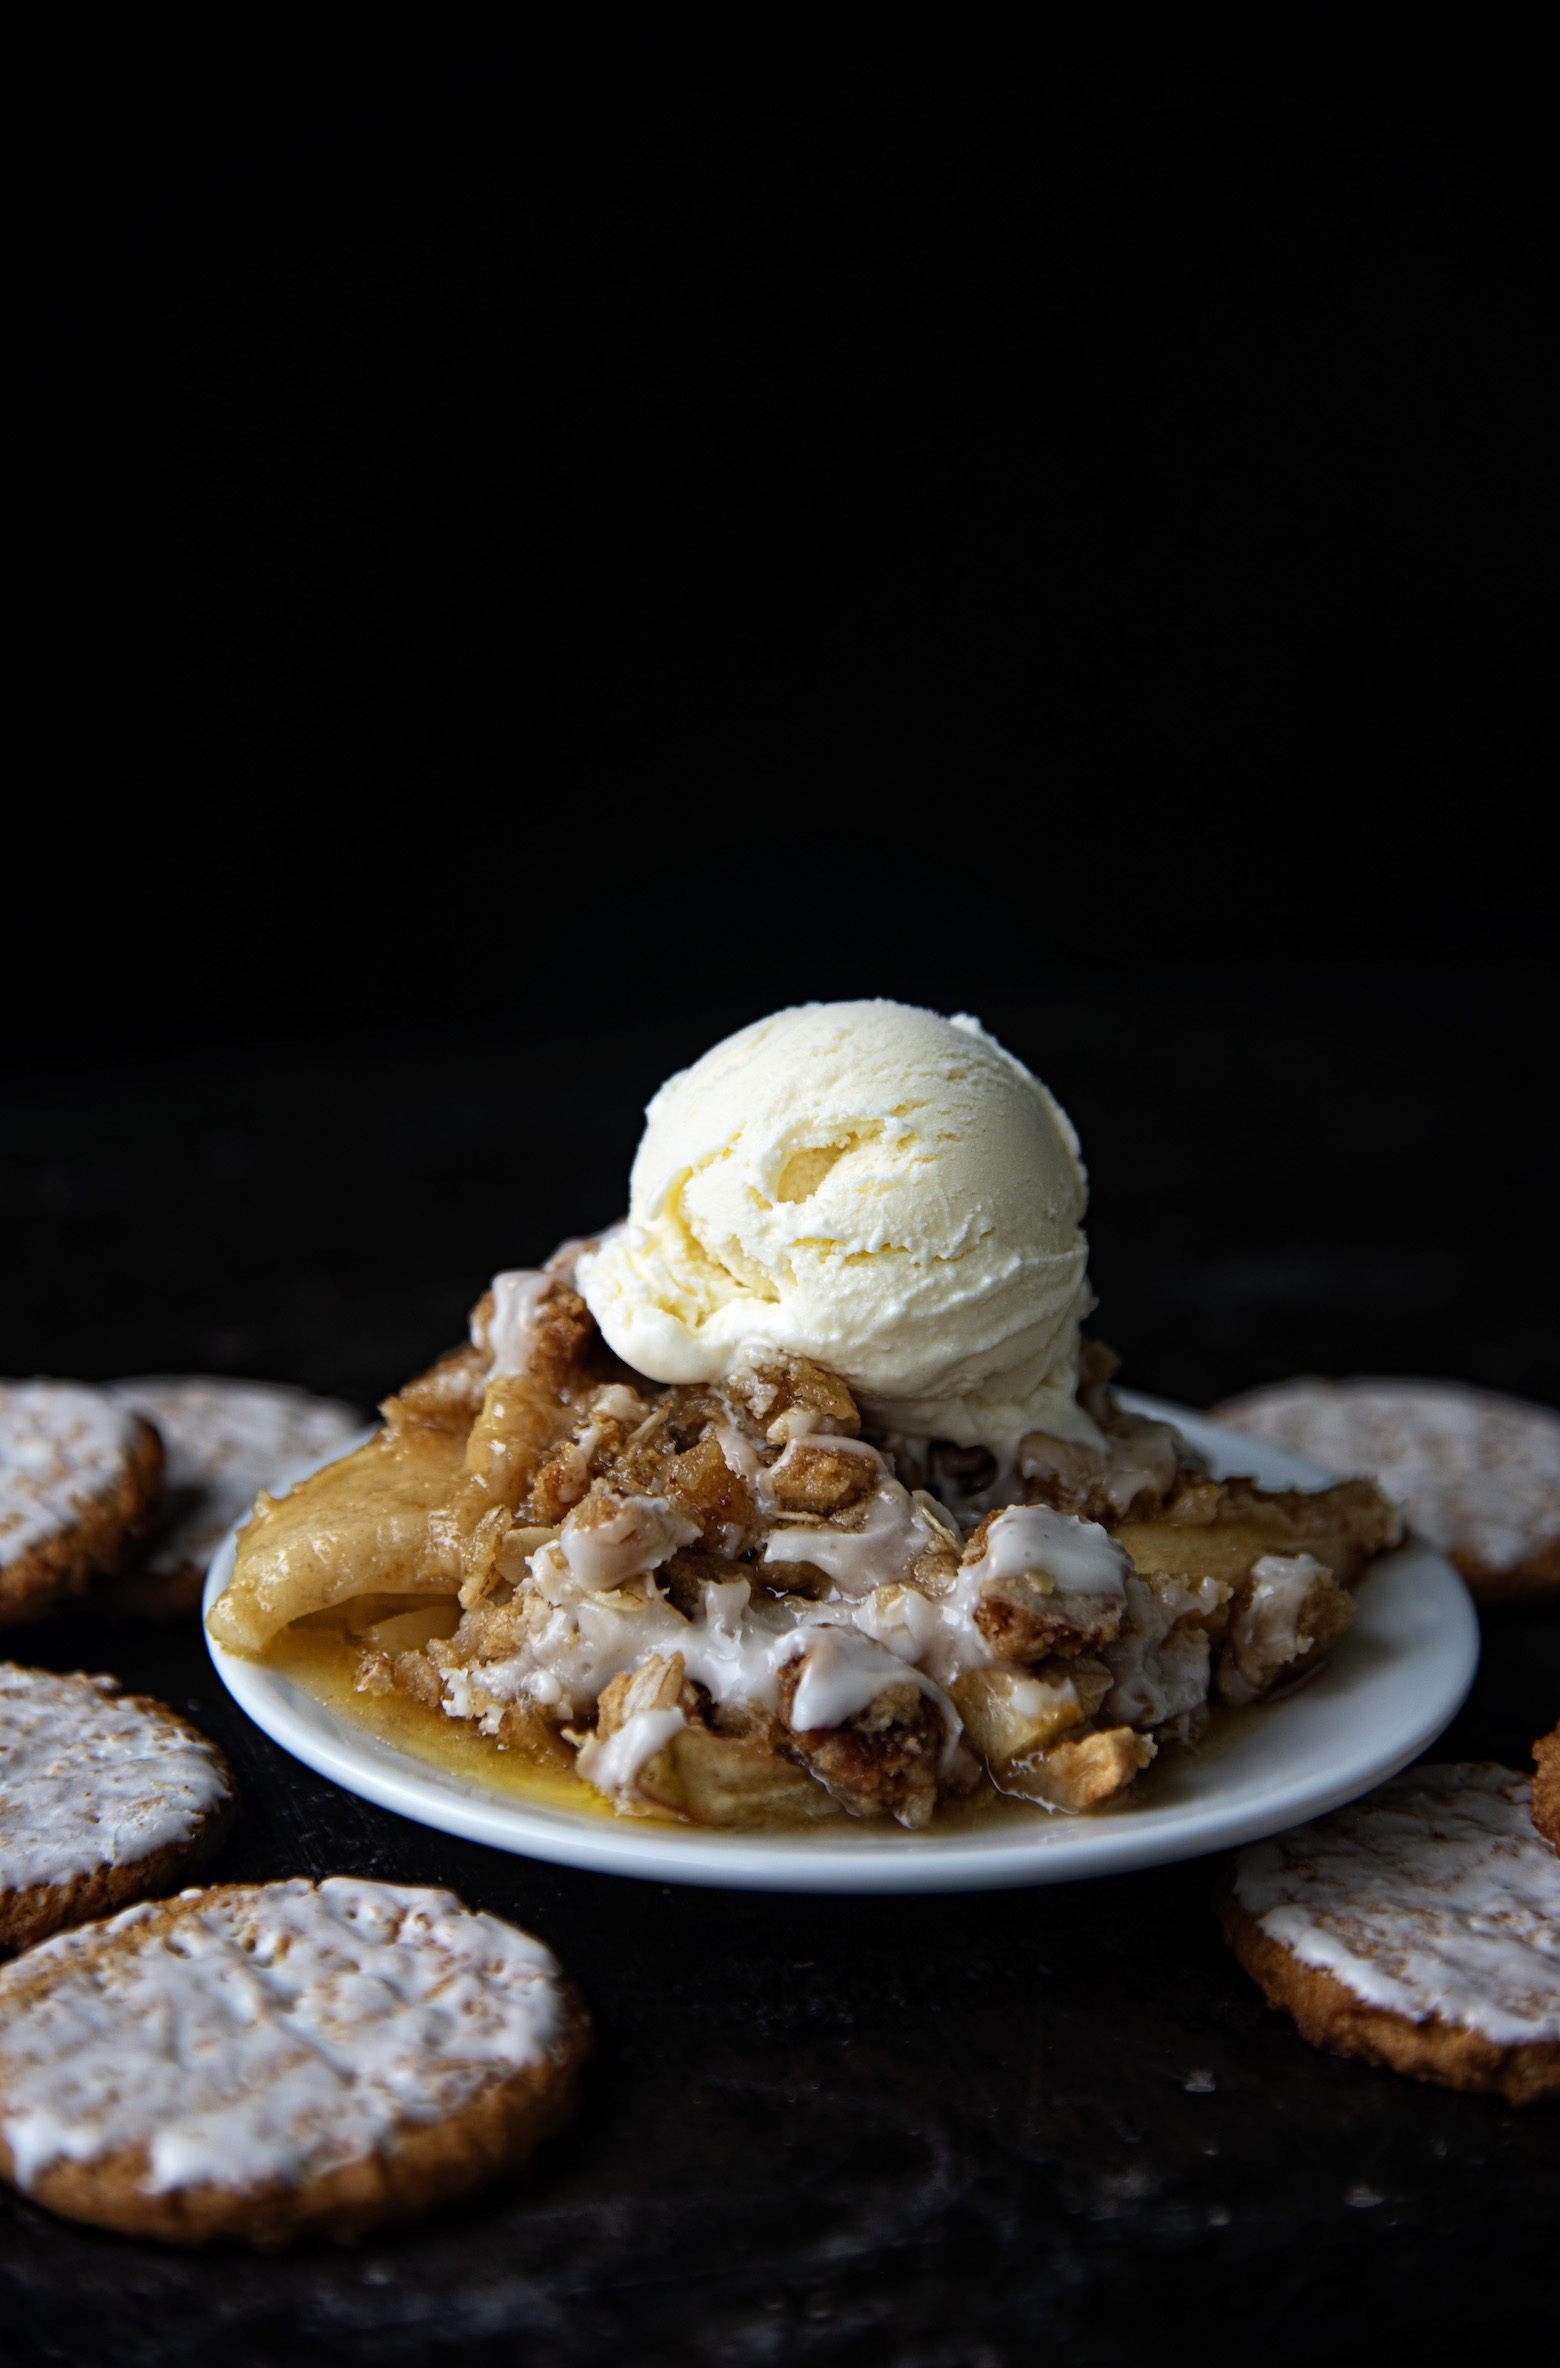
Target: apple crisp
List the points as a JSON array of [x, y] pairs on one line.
[[729, 1605]]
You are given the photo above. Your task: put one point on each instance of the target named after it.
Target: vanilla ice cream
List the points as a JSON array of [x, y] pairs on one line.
[[873, 1186]]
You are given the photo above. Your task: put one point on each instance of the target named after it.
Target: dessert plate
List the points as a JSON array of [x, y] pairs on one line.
[[1393, 1683]]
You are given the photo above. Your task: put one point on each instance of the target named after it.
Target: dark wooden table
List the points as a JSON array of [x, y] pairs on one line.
[[908, 2133]]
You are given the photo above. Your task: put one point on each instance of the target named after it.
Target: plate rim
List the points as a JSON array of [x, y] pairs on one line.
[[873, 1861]]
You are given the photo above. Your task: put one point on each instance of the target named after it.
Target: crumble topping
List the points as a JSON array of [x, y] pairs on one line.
[[729, 1605]]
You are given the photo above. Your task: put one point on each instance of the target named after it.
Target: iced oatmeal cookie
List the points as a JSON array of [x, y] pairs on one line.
[[1546, 1786], [269, 2061], [79, 1477], [1419, 1928], [224, 1441], [105, 1797], [1478, 1474]]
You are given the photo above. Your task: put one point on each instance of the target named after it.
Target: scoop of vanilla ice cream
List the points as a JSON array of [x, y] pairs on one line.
[[874, 1186]]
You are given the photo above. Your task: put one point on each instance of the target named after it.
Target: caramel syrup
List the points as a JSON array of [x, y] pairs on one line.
[[323, 1661]]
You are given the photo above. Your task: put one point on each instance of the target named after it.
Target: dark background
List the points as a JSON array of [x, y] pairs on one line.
[[523, 559]]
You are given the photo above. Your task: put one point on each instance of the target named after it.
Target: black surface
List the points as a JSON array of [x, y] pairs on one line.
[[1343, 1165], [939, 2133], [922, 2134], [525, 561], [862, 484]]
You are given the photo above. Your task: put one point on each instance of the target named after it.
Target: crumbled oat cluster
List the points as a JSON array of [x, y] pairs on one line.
[[726, 1604]]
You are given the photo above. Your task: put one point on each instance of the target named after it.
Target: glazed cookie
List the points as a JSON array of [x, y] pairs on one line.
[[1479, 1475], [263, 2061], [1418, 1928], [104, 1798], [224, 1441], [1546, 1786], [78, 1479]]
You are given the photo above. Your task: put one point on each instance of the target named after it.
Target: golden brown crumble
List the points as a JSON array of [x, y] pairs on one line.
[[636, 1576]]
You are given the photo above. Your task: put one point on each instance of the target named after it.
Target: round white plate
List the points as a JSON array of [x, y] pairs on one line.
[[1394, 1682]]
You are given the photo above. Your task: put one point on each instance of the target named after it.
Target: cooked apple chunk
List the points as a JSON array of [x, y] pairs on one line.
[[1009, 1712], [1079, 1773]]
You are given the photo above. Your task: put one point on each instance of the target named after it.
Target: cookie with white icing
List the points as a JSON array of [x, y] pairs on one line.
[[264, 2061], [104, 1798], [1418, 1928], [79, 1477], [1546, 1786], [224, 1441], [1478, 1474]]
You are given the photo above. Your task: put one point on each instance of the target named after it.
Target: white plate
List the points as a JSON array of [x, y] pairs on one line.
[[1395, 1681]]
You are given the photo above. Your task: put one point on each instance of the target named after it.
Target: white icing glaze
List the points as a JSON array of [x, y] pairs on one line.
[[269, 2034], [577, 1645], [572, 1649], [1078, 1556], [957, 1645], [742, 1457], [517, 1298], [844, 1672], [88, 1779], [617, 1403], [1263, 1632], [1142, 1454], [1023, 1541], [731, 1647], [61, 1447], [893, 1533], [1035, 1697], [813, 1437], [637, 1537], [805, 1422], [1433, 1896], [1478, 1473], [1160, 1666], [613, 1765], [223, 1442], [902, 1618]]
